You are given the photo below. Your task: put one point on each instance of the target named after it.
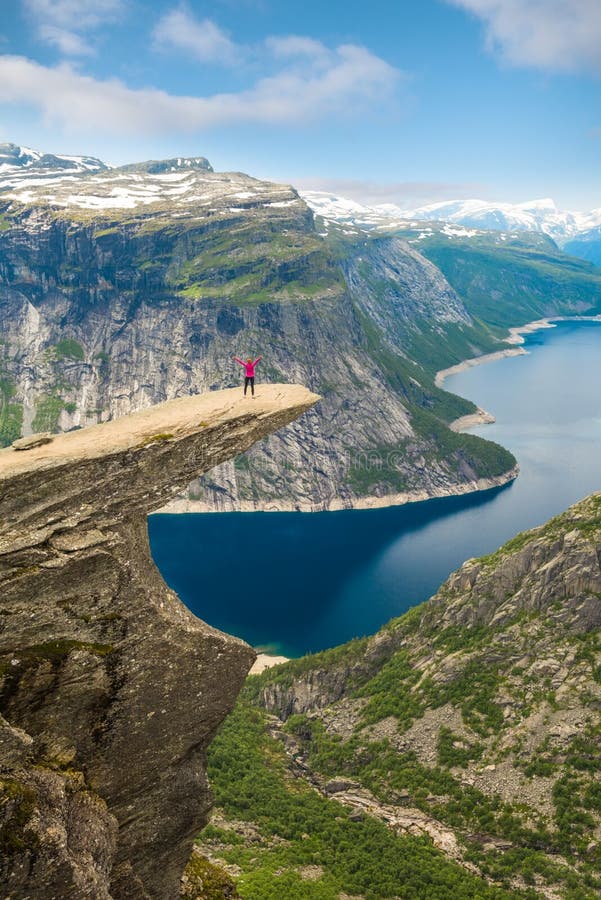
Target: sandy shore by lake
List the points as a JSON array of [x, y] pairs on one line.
[[475, 361], [266, 661], [516, 335], [480, 417]]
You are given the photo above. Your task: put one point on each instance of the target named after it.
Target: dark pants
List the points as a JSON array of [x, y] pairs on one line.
[[249, 380]]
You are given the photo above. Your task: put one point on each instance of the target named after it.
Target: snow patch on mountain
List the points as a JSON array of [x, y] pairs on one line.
[[194, 189], [14, 158], [33, 176], [540, 216]]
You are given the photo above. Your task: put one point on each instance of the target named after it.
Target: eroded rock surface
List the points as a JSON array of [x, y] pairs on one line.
[[111, 689], [480, 709]]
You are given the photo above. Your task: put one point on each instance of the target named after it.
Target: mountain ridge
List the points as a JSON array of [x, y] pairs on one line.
[[538, 216], [541, 215], [475, 716]]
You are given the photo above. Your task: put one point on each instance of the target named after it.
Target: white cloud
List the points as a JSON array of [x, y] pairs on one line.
[[562, 35], [74, 14], [353, 81], [206, 41], [296, 45], [62, 23], [67, 42], [203, 39]]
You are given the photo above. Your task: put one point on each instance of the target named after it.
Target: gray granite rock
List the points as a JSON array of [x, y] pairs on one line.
[[111, 690]]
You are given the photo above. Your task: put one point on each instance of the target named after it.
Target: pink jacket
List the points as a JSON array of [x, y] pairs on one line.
[[249, 368]]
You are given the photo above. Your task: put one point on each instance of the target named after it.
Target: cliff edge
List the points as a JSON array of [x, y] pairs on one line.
[[110, 689]]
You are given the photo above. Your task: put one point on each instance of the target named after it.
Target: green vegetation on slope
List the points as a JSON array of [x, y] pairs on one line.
[[251, 261], [305, 846], [511, 282], [11, 413], [47, 412], [479, 707], [427, 337], [437, 351], [485, 458], [407, 377], [67, 348], [431, 409]]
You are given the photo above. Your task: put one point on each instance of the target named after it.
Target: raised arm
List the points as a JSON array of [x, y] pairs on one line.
[[239, 361], [258, 359]]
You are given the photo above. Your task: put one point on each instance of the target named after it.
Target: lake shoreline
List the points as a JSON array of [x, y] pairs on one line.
[[304, 583], [515, 337], [466, 364], [480, 417], [180, 506]]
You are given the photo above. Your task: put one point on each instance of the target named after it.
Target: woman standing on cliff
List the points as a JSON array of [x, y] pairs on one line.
[[249, 370]]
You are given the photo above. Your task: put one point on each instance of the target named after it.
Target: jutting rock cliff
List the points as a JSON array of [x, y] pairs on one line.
[[123, 288], [110, 690]]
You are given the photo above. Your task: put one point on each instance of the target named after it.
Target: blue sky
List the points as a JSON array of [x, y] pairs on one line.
[[408, 102]]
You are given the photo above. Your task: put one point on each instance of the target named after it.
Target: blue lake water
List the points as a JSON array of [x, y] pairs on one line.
[[296, 582]]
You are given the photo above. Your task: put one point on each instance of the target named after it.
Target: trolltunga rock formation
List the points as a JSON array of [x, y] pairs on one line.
[[110, 689]]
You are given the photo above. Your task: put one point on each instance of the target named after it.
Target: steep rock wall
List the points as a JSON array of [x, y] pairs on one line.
[[110, 689], [108, 312]]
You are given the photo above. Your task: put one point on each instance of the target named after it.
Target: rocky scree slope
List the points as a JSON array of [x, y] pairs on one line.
[[479, 710], [110, 689], [123, 288]]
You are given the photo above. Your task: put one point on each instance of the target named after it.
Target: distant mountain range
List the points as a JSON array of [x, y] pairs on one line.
[[22, 164], [578, 233]]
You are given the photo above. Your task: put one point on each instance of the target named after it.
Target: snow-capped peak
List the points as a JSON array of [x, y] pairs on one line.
[[15, 157], [24, 171], [547, 205], [540, 215]]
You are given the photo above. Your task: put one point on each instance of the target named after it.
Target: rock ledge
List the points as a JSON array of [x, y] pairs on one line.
[[110, 689]]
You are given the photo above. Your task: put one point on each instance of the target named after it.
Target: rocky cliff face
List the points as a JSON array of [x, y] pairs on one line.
[[110, 690], [129, 287], [480, 709]]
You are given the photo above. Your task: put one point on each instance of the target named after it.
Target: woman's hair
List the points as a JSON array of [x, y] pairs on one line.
[[249, 359]]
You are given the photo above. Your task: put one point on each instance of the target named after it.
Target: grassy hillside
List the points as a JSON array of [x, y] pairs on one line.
[[479, 711], [508, 280], [286, 839]]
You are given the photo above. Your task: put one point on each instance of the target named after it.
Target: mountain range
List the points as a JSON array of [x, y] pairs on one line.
[[124, 287], [578, 233]]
